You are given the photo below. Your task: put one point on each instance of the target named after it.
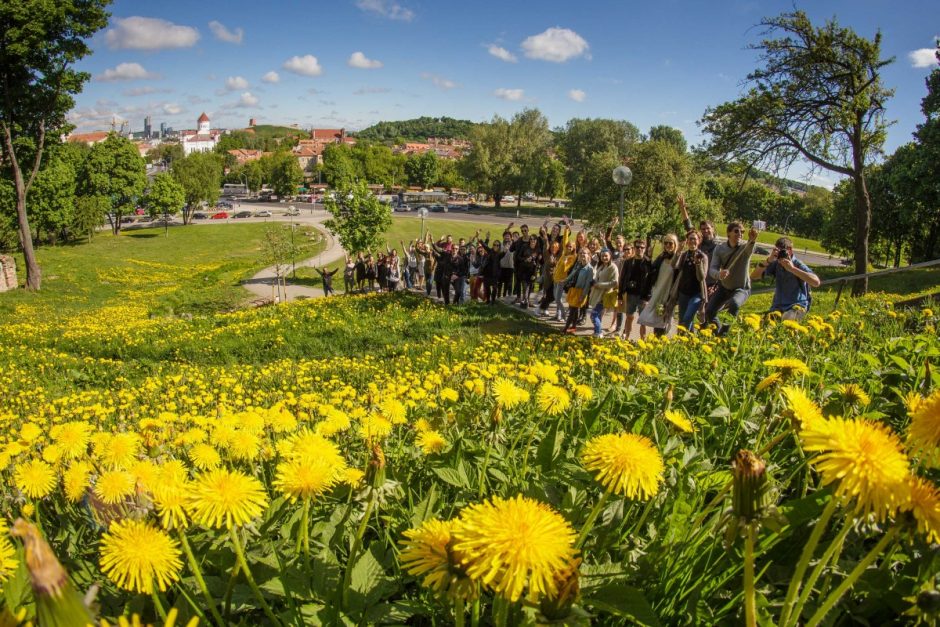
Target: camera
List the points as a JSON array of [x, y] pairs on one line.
[[782, 253]]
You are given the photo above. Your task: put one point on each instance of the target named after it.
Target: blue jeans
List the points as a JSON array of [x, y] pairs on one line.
[[409, 277], [559, 295], [687, 307], [460, 283], [597, 315], [733, 299]]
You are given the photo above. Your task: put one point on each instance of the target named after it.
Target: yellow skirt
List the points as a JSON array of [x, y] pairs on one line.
[[610, 299], [577, 297]]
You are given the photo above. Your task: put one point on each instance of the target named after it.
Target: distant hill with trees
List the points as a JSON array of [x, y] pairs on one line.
[[418, 129]]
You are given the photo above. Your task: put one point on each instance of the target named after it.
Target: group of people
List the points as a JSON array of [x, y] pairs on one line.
[[693, 279]]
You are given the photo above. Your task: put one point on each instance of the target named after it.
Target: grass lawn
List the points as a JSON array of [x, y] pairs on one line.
[[194, 269]]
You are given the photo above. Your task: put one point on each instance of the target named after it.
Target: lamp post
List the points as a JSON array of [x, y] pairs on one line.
[[422, 212], [622, 177], [293, 251]]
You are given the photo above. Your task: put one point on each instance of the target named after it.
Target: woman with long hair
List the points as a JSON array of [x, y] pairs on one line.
[[688, 287], [654, 315], [603, 291], [579, 280]]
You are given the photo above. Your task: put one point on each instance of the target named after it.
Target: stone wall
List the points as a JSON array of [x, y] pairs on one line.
[[7, 273]]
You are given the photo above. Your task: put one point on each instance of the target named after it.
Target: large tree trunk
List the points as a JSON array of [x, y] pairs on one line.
[[862, 225], [33, 273]]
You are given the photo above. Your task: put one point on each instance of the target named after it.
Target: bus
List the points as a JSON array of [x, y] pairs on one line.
[[423, 198], [234, 189]]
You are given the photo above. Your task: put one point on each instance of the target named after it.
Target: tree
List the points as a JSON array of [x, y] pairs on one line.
[[817, 98], [670, 135], [286, 175], [41, 40], [167, 151], [115, 173], [582, 139], [278, 251], [166, 196], [552, 181], [489, 167], [660, 173], [359, 219], [926, 169], [339, 168], [422, 169], [531, 143], [200, 174], [52, 196]]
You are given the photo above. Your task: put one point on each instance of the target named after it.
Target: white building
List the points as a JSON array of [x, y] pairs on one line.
[[204, 139]]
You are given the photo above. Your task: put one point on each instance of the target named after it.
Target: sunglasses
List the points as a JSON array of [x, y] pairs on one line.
[[736, 231]]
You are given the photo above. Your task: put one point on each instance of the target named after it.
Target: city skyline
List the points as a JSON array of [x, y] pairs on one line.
[[357, 62]]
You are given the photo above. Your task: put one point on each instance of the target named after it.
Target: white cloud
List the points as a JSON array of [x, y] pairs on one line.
[[171, 108], [556, 45], [149, 33], [126, 72], [222, 33], [247, 100], [509, 94], [501, 53], [439, 81], [924, 57], [306, 65], [359, 60], [143, 91], [577, 95], [235, 83], [386, 8], [271, 77]]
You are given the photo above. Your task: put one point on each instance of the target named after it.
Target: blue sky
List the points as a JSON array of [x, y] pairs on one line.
[[350, 63]]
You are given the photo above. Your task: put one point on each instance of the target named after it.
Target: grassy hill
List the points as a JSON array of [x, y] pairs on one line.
[[418, 129]]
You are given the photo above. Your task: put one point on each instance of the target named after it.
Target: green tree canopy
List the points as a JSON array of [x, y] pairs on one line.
[[115, 173], [359, 219], [165, 196], [286, 174], [818, 97], [422, 169], [200, 174], [41, 41], [490, 166]]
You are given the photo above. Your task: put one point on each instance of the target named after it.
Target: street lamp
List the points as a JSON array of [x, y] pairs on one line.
[[622, 177], [293, 251], [422, 212]]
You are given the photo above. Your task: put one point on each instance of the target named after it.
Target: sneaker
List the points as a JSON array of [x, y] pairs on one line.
[[571, 331]]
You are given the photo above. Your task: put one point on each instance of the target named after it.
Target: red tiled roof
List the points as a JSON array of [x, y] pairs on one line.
[[327, 133], [203, 118], [88, 138]]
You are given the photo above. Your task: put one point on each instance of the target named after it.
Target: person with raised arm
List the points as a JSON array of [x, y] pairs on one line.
[[730, 267]]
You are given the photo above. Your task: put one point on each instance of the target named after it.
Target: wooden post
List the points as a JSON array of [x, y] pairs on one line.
[[839, 293]]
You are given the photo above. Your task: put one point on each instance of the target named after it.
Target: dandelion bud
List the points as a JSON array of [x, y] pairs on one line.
[[557, 606], [928, 601], [57, 601], [377, 466], [750, 486], [669, 395], [497, 415]]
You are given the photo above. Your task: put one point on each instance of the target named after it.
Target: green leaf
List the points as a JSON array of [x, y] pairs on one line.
[[720, 412], [425, 509], [451, 476], [623, 600], [549, 448]]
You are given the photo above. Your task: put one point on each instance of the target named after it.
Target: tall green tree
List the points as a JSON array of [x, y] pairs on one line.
[[165, 196], [926, 169], [818, 97], [200, 174], [422, 169], [115, 173], [40, 41], [339, 167], [532, 141], [286, 175], [578, 145], [490, 166], [359, 219], [669, 135]]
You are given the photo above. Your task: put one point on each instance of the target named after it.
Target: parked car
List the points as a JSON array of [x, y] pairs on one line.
[[438, 208], [242, 214], [264, 213], [222, 215], [199, 215], [456, 207], [472, 206], [224, 204], [291, 211], [128, 219], [508, 199]]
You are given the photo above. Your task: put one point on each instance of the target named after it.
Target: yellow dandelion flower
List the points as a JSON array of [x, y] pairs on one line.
[[34, 478], [8, 561], [431, 441], [280, 419], [510, 545], [312, 472], [393, 410], [545, 371], [421, 424], [52, 454], [793, 325], [770, 380], [426, 553], [865, 461], [508, 394], [647, 369], [805, 410], [170, 498], [72, 438], [226, 498], [912, 401], [449, 395], [625, 463], [351, 476], [113, 486], [584, 392], [788, 367], [753, 321], [75, 480], [30, 432], [925, 507], [137, 556], [119, 450], [853, 394], [244, 445], [678, 419], [923, 433], [374, 427], [552, 399], [334, 422], [204, 457]]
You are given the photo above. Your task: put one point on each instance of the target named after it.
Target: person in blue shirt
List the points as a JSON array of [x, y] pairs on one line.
[[792, 278]]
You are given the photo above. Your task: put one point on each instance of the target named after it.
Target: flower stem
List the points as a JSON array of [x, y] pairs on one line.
[[849, 581], [240, 556], [750, 597], [155, 595], [589, 523], [808, 549], [354, 551], [303, 541], [200, 581], [831, 554], [475, 613], [459, 612]]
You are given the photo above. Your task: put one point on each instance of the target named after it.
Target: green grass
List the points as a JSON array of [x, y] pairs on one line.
[[195, 269]]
